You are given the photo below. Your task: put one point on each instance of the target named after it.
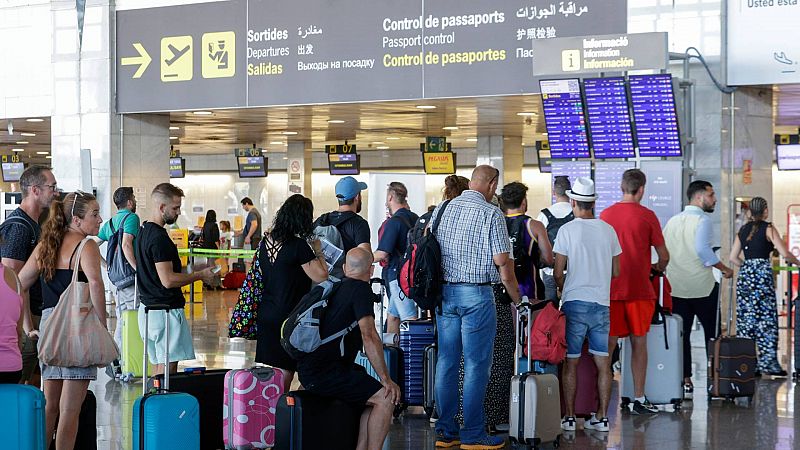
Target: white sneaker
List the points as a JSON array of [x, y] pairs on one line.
[[569, 423], [595, 424]]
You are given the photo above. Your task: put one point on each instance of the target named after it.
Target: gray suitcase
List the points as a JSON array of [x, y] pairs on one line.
[[535, 405], [664, 384]]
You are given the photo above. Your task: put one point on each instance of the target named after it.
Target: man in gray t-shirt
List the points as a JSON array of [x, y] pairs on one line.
[[252, 225]]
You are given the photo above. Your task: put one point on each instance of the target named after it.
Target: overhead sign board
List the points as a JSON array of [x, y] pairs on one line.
[[761, 49], [441, 163], [603, 53], [259, 53]]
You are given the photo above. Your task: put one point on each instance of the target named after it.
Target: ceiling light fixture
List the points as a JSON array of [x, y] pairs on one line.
[[28, 134], [17, 149], [378, 142], [202, 113], [23, 142], [451, 128], [173, 137], [527, 114], [174, 128], [42, 153], [288, 133], [392, 138], [34, 120], [49, 156], [426, 107], [276, 143], [472, 139], [383, 147], [335, 121]]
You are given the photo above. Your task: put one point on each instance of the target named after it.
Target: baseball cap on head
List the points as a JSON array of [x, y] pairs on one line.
[[348, 188]]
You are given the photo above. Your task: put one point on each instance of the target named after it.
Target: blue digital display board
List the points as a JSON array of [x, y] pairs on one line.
[[609, 119], [607, 180], [654, 115], [571, 170], [564, 119]]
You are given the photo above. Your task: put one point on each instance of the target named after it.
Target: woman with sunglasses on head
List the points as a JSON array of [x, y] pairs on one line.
[[70, 222]]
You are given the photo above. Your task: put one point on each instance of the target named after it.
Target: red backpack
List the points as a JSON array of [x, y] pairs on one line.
[[549, 335]]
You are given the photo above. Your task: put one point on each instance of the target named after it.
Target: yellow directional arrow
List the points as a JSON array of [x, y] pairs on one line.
[[143, 60]]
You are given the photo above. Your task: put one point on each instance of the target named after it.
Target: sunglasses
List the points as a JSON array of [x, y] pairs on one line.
[[75, 200]]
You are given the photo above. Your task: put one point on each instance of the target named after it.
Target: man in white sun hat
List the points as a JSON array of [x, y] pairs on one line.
[[592, 249]]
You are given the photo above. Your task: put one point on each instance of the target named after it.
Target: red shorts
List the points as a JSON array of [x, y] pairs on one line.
[[631, 317]]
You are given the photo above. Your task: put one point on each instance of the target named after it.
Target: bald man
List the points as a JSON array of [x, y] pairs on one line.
[[475, 247], [327, 372]]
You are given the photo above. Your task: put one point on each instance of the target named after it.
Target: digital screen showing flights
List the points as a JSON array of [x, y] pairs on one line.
[[607, 178], [12, 171], [570, 169], [564, 120], [344, 164], [177, 168], [609, 118], [654, 116], [252, 166]]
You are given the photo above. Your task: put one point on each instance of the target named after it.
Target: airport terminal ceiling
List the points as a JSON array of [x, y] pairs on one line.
[[371, 126], [27, 137]]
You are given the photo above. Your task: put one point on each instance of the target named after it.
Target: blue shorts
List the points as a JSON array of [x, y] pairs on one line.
[[181, 347], [586, 320], [399, 305]]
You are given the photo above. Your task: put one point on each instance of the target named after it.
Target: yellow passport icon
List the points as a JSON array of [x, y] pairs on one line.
[[219, 54], [570, 60], [176, 58]]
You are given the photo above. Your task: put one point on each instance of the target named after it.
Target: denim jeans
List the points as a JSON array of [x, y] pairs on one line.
[[550, 289], [467, 323]]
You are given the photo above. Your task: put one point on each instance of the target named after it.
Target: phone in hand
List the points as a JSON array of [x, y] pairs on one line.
[[216, 269]]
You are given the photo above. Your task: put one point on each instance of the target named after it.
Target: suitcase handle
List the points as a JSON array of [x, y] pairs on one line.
[[518, 338], [147, 309]]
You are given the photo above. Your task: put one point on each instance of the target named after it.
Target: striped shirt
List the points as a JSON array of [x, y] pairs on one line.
[[471, 232]]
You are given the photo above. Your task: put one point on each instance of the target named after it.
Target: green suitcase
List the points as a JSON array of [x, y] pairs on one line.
[[132, 351]]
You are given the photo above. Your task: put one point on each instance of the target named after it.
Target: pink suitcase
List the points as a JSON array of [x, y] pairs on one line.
[[249, 407]]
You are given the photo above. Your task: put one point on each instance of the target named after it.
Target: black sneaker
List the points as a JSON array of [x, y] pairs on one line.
[[779, 374], [643, 407]]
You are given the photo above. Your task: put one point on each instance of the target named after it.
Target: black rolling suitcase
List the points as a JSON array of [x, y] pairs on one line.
[[208, 387], [304, 421], [731, 364]]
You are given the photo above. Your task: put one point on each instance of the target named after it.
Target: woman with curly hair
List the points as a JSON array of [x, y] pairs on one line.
[[289, 265], [756, 311], [69, 223]]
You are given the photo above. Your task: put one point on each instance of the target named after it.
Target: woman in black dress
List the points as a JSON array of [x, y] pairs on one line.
[[289, 265], [211, 231]]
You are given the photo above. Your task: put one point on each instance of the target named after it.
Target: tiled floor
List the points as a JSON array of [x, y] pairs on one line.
[[768, 423]]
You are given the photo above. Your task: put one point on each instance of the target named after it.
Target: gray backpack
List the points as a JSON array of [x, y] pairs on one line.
[[332, 245], [300, 333]]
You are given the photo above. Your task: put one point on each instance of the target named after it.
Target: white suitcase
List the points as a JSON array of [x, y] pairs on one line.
[[535, 405], [664, 383]]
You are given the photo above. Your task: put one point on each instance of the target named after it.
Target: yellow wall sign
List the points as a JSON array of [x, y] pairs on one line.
[[443, 163]]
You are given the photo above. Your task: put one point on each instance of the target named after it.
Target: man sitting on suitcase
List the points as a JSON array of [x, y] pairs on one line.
[[633, 301], [592, 249], [328, 373]]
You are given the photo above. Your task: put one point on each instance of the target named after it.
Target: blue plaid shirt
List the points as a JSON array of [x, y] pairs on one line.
[[471, 232]]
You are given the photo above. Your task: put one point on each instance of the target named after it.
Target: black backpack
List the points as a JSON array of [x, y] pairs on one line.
[[120, 271], [418, 230], [517, 228], [554, 224], [420, 276]]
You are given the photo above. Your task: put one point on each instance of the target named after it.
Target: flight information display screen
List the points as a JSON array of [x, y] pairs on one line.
[[788, 157], [607, 178], [609, 119], [571, 170], [654, 115], [564, 119]]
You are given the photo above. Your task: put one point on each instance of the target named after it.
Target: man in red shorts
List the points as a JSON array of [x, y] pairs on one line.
[[633, 300]]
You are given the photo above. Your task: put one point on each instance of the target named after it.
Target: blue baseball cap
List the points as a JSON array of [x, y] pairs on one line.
[[348, 188]]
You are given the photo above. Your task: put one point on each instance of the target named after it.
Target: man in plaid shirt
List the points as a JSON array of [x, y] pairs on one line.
[[475, 253]]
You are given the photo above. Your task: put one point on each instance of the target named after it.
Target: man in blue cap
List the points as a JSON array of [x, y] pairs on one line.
[[353, 229]]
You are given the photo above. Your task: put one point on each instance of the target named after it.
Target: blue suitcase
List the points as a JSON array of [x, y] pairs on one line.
[[393, 358], [22, 422], [415, 337], [163, 419]]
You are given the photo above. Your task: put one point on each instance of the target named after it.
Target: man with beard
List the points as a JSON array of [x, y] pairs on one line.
[[160, 279], [695, 292], [353, 228], [127, 222]]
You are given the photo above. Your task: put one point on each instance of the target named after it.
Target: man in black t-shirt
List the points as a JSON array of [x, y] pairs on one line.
[[328, 373], [391, 247], [353, 228], [19, 234], [160, 280]]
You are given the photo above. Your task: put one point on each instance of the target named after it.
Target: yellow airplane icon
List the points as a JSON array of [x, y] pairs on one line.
[[143, 60]]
